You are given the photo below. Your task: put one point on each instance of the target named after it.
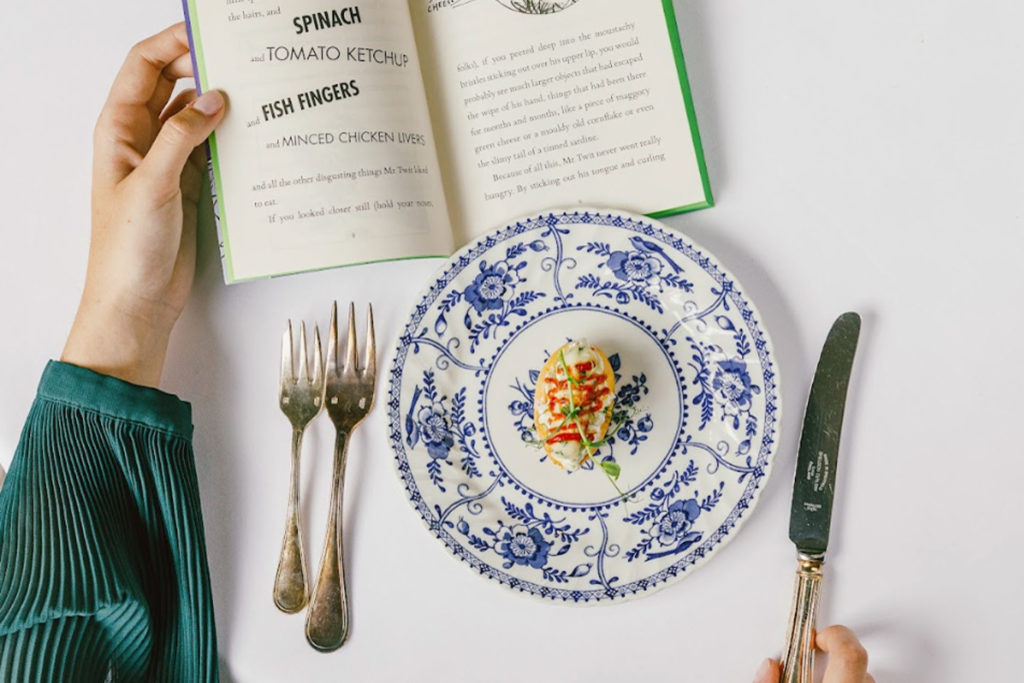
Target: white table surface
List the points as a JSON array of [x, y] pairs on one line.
[[867, 157]]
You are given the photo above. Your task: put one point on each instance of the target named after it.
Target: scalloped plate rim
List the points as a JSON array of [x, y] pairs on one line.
[[424, 292]]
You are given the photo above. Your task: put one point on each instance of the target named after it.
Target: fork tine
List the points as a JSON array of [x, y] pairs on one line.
[[318, 358], [303, 354], [370, 362], [350, 351], [332, 343], [287, 370]]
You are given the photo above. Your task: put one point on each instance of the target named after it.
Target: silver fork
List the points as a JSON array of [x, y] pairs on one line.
[[349, 396], [301, 400]]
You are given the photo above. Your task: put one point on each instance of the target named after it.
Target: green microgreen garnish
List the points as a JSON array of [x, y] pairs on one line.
[[610, 469]]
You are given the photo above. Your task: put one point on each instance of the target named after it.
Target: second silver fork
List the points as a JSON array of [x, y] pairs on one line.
[[348, 396]]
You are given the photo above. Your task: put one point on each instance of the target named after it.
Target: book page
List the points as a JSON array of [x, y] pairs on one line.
[[545, 104], [326, 155]]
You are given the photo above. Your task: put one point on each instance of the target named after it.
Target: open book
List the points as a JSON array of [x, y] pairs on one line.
[[365, 131]]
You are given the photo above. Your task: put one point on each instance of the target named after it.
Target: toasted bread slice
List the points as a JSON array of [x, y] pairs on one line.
[[573, 402]]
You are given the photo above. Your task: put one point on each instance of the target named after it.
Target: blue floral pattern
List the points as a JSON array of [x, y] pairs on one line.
[[523, 545], [494, 295], [670, 519], [435, 432], [529, 541], [634, 433], [686, 497], [641, 274], [489, 289], [439, 426], [733, 390], [635, 266], [676, 523], [728, 384]]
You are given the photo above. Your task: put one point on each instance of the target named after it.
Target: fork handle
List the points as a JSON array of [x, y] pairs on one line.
[[290, 594], [327, 619]]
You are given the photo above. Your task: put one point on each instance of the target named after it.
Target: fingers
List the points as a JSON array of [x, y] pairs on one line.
[[176, 141], [182, 100], [130, 118], [847, 658], [144, 68], [768, 672], [193, 175], [179, 68]]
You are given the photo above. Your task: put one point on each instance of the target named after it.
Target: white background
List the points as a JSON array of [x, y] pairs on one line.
[[867, 157]]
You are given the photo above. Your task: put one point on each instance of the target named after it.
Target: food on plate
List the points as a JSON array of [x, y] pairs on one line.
[[573, 403]]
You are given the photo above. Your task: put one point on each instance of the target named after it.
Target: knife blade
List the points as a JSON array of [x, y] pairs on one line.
[[810, 517]]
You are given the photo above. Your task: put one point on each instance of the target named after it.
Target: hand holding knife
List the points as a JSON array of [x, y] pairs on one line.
[[814, 489]]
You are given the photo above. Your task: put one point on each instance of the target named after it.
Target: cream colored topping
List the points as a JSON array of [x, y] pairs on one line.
[[570, 454]]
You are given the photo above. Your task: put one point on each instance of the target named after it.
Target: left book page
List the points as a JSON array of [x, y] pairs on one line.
[[326, 156]]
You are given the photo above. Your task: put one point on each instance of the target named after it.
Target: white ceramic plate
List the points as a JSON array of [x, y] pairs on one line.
[[695, 385]]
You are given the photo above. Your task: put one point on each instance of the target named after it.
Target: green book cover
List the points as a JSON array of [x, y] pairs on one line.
[[691, 117]]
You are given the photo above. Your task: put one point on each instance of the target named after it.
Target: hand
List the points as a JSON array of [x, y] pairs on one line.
[[847, 659], [147, 169]]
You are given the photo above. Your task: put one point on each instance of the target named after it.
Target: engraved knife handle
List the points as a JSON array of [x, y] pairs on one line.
[[798, 654]]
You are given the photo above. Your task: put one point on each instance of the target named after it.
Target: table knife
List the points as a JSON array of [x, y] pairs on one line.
[[813, 490]]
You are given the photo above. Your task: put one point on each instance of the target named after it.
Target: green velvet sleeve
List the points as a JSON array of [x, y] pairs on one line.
[[103, 572]]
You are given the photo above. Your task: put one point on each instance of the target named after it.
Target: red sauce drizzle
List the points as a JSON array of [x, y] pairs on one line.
[[588, 395]]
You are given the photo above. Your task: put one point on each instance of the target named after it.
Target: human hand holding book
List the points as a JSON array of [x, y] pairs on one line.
[[147, 168]]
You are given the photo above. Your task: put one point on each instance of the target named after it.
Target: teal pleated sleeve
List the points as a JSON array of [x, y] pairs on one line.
[[103, 571]]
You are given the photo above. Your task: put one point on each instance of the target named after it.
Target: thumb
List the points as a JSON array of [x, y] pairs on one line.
[[181, 134], [768, 672]]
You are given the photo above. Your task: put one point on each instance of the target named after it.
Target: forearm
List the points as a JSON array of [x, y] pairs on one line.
[[102, 557], [111, 341]]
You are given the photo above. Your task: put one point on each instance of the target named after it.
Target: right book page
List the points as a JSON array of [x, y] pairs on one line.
[[539, 104]]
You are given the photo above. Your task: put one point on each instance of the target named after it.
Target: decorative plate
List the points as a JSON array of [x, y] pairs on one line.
[[697, 406]]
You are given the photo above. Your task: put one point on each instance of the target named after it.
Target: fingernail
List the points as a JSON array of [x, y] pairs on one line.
[[209, 102], [763, 670]]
